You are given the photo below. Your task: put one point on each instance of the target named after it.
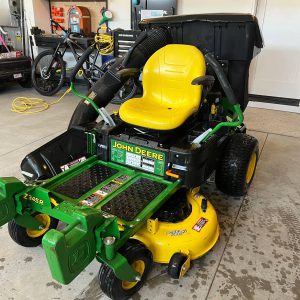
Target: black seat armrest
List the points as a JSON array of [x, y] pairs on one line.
[[207, 81], [129, 72]]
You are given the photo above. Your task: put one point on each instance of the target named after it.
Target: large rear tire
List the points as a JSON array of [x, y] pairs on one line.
[[237, 166]]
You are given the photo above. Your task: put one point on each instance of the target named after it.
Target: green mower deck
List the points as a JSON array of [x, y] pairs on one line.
[[102, 205]]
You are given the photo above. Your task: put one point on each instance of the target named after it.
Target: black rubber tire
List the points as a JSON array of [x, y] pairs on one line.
[[112, 286], [176, 262], [26, 83], [232, 169], [19, 234], [62, 76]]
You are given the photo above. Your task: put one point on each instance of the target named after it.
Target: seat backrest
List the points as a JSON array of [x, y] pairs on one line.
[[168, 75]]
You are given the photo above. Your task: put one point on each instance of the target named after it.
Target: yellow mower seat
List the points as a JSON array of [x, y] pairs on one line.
[[169, 97]]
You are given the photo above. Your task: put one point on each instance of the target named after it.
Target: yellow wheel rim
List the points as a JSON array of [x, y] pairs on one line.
[[138, 266], [80, 73], [46, 220], [251, 168]]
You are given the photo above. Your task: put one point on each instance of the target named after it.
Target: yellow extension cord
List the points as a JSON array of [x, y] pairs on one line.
[[104, 39], [28, 106]]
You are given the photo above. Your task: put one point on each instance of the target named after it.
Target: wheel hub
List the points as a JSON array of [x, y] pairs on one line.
[[251, 168], [139, 266], [43, 218], [44, 74]]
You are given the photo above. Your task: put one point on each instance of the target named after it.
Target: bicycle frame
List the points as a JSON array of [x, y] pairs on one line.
[[68, 43]]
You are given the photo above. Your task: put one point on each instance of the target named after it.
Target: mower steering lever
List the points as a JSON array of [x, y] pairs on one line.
[[129, 72]]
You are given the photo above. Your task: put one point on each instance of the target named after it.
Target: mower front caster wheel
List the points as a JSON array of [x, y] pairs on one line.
[[140, 258], [237, 166], [175, 265], [29, 237]]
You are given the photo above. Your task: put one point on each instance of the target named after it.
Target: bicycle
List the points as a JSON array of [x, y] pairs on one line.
[[49, 69]]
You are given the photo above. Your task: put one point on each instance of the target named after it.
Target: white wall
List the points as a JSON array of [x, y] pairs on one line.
[[121, 12], [276, 71], [121, 9], [37, 14], [216, 6]]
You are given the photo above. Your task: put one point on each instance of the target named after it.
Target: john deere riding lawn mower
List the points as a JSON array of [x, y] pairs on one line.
[[126, 188]]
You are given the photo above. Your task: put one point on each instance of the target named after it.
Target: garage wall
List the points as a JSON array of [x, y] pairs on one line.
[[37, 14], [216, 6], [276, 71], [121, 12], [94, 9], [121, 9]]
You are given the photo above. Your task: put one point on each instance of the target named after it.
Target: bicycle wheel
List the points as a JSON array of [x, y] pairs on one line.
[[106, 66], [91, 71], [128, 90], [48, 73]]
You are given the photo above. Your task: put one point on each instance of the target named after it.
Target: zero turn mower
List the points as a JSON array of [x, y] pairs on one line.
[[126, 188]]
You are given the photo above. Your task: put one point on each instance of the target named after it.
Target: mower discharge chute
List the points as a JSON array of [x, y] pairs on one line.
[[126, 188]]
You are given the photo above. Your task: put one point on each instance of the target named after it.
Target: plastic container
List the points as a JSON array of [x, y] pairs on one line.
[[233, 39]]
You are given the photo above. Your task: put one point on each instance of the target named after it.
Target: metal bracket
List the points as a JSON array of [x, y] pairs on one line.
[[106, 117], [186, 265], [29, 222], [122, 269], [201, 137], [152, 225]]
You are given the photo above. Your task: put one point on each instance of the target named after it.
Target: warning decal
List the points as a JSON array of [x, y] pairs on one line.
[[92, 199], [107, 189], [200, 224], [72, 163]]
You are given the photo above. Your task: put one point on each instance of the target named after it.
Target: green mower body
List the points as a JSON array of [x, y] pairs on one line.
[[88, 216]]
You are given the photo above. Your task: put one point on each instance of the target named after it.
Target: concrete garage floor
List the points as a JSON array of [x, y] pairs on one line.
[[257, 256]]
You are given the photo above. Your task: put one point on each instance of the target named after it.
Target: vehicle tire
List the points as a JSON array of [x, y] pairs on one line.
[[31, 238], [236, 169], [176, 262], [48, 84], [26, 83], [141, 260]]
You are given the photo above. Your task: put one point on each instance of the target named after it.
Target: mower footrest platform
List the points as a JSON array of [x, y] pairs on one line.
[[130, 202], [85, 181]]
